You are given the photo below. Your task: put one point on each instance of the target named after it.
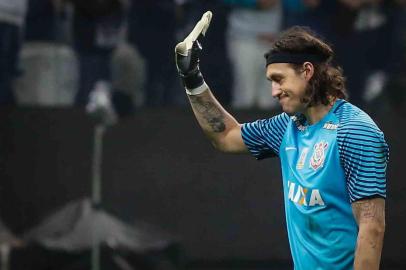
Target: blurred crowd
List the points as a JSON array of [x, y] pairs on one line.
[[57, 52]]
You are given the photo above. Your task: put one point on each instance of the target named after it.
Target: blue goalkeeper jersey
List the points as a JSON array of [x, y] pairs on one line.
[[325, 167]]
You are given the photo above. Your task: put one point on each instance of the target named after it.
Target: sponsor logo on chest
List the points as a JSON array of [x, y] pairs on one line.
[[304, 196]]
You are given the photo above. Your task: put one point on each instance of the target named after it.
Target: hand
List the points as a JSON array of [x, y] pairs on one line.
[[187, 56]]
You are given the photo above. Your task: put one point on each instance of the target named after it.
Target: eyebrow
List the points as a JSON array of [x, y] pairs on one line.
[[274, 77]]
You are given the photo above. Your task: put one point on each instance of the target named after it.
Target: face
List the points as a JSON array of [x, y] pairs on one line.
[[288, 85]]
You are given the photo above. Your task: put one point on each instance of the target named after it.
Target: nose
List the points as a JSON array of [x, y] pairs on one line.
[[276, 89]]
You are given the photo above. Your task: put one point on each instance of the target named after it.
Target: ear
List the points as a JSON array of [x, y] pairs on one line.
[[308, 70]]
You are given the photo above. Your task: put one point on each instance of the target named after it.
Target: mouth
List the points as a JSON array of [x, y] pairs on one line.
[[283, 96]]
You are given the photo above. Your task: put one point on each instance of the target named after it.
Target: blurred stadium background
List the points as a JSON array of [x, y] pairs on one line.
[[102, 164]]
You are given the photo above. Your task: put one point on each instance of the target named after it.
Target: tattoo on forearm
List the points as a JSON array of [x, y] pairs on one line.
[[369, 210], [370, 216], [210, 112]]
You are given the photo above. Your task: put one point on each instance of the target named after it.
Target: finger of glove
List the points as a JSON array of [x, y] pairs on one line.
[[200, 28], [198, 31]]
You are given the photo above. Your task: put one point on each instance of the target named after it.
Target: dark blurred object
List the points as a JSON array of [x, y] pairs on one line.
[[151, 29], [12, 14], [359, 34], [42, 21], [63, 240], [123, 104], [97, 8], [315, 14], [98, 27], [36, 257], [7, 237], [8, 241], [396, 63]]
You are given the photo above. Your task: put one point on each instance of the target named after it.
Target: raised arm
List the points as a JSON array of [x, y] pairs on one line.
[[218, 125]]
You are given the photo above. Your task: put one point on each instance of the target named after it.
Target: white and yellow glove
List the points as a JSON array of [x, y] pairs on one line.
[[187, 57]]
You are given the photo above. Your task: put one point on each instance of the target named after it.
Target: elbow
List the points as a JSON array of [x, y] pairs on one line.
[[378, 228], [373, 232], [228, 141], [219, 145]]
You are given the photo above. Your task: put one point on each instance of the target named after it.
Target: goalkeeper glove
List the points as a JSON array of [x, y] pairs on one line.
[[187, 57]]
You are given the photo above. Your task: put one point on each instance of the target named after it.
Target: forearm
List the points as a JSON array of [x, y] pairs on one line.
[[370, 216], [212, 117], [369, 248]]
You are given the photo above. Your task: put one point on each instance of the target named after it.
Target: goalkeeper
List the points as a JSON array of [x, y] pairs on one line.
[[332, 154]]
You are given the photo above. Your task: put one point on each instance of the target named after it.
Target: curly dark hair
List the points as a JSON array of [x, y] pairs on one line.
[[328, 80]]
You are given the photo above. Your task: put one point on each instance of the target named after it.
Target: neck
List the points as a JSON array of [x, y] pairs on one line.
[[315, 113]]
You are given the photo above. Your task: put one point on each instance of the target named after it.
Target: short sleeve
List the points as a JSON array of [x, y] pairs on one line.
[[364, 155], [263, 138]]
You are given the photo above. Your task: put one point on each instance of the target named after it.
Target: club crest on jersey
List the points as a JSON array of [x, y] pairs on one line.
[[318, 157]]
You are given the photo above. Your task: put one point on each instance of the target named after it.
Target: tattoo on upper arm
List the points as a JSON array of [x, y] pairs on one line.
[[210, 112], [369, 210]]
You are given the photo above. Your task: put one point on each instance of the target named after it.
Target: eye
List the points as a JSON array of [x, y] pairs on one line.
[[277, 79]]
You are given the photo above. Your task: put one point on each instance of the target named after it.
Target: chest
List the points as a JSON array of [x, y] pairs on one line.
[[310, 158]]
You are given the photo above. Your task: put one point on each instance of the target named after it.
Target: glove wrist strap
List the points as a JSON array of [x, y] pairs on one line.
[[194, 82], [198, 90]]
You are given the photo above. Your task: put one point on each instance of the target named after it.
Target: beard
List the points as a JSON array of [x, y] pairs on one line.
[[308, 99]]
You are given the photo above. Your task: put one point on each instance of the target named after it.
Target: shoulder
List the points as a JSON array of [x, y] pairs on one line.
[[358, 136], [354, 122]]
